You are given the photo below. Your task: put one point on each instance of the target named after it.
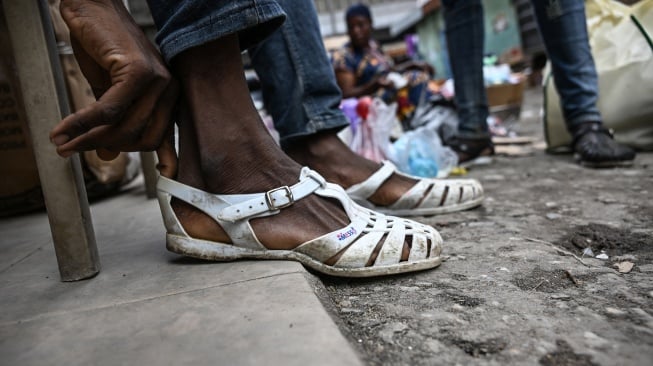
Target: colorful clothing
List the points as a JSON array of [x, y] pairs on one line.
[[371, 63]]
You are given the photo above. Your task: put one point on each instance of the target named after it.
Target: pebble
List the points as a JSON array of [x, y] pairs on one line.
[[504, 269], [493, 177], [602, 256], [553, 216], [614, 311], [607, 200], [561, 297], [345, 303], [409, 288], [351, 311], [551, 204], [457, 308], [480, 223], [594, 340]]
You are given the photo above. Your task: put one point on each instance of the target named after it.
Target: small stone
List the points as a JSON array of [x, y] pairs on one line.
[[553, 216], [504, 269], [345, 303], [624, 267], [602, 256], [561, 297], [409, 288], [493, 177], [607, 200], [457, 308], [551, 204], [588, 252], [351, 311], [614, 311], [480, 224], [593, 340]]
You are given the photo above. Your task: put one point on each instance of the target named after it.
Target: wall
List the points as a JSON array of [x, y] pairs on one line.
[[432, 42]]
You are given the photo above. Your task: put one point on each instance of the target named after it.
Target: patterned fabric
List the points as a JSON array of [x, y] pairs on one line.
[[370, 63]]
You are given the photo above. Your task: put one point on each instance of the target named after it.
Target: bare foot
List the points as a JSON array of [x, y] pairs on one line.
[[225, 149], [329, 156]]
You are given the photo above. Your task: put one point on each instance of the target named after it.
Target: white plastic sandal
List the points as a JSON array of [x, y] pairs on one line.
[[428, 196], [367, 233]]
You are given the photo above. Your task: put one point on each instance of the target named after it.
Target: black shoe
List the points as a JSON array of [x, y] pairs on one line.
[[595, 147], [471, 151]]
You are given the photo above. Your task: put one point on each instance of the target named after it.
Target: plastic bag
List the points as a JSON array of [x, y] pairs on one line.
[[420, 153], [620, 38], [371, 135]]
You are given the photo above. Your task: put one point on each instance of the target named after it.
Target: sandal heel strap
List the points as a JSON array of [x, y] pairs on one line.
[[369, 186]]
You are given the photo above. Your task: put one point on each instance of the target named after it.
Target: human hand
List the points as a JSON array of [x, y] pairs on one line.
[[136, 93]]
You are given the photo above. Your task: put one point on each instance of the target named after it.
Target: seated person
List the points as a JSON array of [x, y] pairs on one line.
[[362, 69]]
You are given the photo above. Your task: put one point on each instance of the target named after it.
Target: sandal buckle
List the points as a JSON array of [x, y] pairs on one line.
[[270, 201]]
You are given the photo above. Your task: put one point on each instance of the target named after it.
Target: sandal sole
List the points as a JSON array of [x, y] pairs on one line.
[[221, 252], [429, 211], [603, 164]]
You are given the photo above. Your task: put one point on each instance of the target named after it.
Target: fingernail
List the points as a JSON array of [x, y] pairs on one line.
[[60, 139]]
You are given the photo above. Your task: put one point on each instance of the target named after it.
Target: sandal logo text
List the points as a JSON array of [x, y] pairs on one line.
[[346, 234]]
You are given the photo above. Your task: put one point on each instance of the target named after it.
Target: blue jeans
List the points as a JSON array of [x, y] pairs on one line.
[[299, 85], [465, 37], [191, 23], [563, 29]]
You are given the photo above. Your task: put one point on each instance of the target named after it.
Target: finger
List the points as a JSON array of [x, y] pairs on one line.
[[108, 110], [128, 134]]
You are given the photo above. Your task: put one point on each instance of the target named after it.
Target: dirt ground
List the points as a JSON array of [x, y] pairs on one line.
[[516, 287]]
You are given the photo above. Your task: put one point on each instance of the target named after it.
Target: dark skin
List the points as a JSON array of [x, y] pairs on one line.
[[136, 92], [224, 147], [359, 29]]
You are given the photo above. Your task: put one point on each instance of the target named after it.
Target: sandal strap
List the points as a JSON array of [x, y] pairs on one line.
[[368, 187], [273, 200], [235, 207]]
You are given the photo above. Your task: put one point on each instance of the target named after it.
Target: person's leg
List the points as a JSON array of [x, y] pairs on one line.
[[224, 147], [303, 98], [465, 38], [564, 32]]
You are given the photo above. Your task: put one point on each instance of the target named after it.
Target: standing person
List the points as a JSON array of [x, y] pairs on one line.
[[301, 94], [563, 28], [235, 194]]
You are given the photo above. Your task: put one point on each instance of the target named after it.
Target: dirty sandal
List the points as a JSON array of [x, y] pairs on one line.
[[368, 232], [426, 197]]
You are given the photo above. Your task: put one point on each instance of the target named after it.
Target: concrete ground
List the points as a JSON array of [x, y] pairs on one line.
[[514, 289], [151, 307]]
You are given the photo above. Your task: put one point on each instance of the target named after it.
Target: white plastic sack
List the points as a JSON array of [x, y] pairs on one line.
[[371, 137], [620, 38]]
